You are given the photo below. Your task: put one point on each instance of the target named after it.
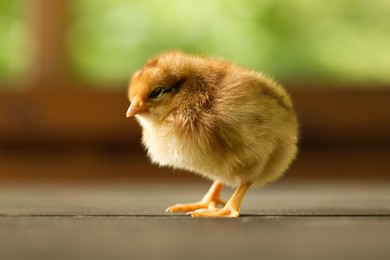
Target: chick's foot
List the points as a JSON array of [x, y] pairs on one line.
[[226, 211], [211, 205], [231, 209], [210, 201]]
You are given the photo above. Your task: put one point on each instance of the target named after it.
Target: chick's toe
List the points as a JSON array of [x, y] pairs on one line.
[[210, 201]]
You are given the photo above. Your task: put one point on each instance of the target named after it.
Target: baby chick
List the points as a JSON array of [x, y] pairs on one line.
[[231, 125]]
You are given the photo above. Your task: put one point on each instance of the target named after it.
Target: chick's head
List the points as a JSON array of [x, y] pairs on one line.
[[155, 90]]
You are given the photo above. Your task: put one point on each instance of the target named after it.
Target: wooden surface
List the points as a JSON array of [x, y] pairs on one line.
[[127, 221]]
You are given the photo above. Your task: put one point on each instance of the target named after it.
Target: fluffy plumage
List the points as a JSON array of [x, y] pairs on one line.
[[214, 118]]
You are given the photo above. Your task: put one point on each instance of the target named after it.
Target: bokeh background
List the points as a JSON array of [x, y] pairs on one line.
[[64, 68]]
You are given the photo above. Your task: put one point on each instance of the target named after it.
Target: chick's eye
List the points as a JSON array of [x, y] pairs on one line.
[[157, 92]]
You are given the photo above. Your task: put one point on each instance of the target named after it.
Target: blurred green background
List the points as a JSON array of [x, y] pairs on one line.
[[65, 64], [343, 41], [14, 54]]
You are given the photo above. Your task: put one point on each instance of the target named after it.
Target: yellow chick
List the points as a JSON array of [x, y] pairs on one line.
[[231, 125]]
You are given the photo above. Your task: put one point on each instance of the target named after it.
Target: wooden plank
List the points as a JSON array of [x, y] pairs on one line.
[[55, 116], [125, 223], [344, 116], [142, 198]]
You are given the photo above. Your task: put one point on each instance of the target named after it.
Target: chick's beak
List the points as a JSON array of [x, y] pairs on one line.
[[136, 107], [133, 110]]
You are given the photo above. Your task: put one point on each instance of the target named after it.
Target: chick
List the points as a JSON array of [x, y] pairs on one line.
[[231, 125]]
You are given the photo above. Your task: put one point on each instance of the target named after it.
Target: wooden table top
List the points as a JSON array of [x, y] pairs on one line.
[[127, 221]]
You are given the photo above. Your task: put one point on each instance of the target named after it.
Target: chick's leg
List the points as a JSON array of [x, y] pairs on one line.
[[210, 201], [231, 208]]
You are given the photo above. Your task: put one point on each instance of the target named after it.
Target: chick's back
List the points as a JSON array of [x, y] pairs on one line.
[[257, 120]]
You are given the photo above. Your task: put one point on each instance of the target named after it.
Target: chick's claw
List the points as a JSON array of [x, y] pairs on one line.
[[210, 201], [231, 208]]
